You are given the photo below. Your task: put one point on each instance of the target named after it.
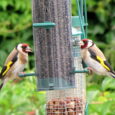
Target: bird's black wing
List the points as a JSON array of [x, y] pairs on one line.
[[7, 67], [104, 63], [108, 65], [93, 55]]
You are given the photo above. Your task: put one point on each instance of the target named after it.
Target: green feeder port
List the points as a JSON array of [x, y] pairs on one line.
[[76, 22]]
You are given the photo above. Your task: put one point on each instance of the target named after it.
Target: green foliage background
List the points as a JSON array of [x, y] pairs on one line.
[[16, 27]]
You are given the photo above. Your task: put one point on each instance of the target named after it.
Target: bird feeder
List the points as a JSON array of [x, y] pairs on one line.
[[52, 41], [58, 63]]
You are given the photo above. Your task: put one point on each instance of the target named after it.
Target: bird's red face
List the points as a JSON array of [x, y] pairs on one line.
[[86, 43], [24, 48]]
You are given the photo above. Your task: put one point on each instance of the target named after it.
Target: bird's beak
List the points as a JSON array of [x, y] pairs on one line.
[[28, 49], [81, 43]]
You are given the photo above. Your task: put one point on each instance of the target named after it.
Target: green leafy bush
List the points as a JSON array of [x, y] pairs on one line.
[[16, 27], [22, 98]]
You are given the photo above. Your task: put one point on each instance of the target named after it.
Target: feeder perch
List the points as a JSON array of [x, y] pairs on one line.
[[27, 74], [46, 25]]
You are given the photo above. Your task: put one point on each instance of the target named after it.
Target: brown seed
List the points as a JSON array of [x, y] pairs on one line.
[[71, 112], [71, 105]]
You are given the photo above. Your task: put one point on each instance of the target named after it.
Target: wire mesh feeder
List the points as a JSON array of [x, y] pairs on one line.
[[65, 106], [70, 101]]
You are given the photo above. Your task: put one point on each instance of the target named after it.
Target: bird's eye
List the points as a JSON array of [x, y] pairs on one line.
[[85, 42], [23, 47]]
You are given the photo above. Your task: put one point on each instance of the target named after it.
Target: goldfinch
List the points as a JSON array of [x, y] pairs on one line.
[[95, 59], [15, 63]]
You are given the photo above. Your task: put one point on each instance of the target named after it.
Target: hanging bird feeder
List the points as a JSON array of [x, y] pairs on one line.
[[59, 68], [53, 48]]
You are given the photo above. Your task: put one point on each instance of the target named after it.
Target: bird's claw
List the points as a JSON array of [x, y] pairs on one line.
[[90, 70]]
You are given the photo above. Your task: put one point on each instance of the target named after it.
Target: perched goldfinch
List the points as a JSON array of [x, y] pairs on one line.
[[15, 63], [95, 59]]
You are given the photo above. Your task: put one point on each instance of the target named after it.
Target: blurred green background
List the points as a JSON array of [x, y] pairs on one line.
[[16, 27]]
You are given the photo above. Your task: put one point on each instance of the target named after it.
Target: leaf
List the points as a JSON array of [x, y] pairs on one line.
[[108, 83], [4, 4], [92, 95]]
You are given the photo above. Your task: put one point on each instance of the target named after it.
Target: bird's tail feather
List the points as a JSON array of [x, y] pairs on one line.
[[112, 74], [1, 85]]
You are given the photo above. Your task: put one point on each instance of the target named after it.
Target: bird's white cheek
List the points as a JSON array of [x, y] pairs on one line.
[[90, 43]]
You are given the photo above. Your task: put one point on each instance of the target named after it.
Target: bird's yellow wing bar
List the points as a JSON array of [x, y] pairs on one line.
[[7, 67], [102, 63]]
